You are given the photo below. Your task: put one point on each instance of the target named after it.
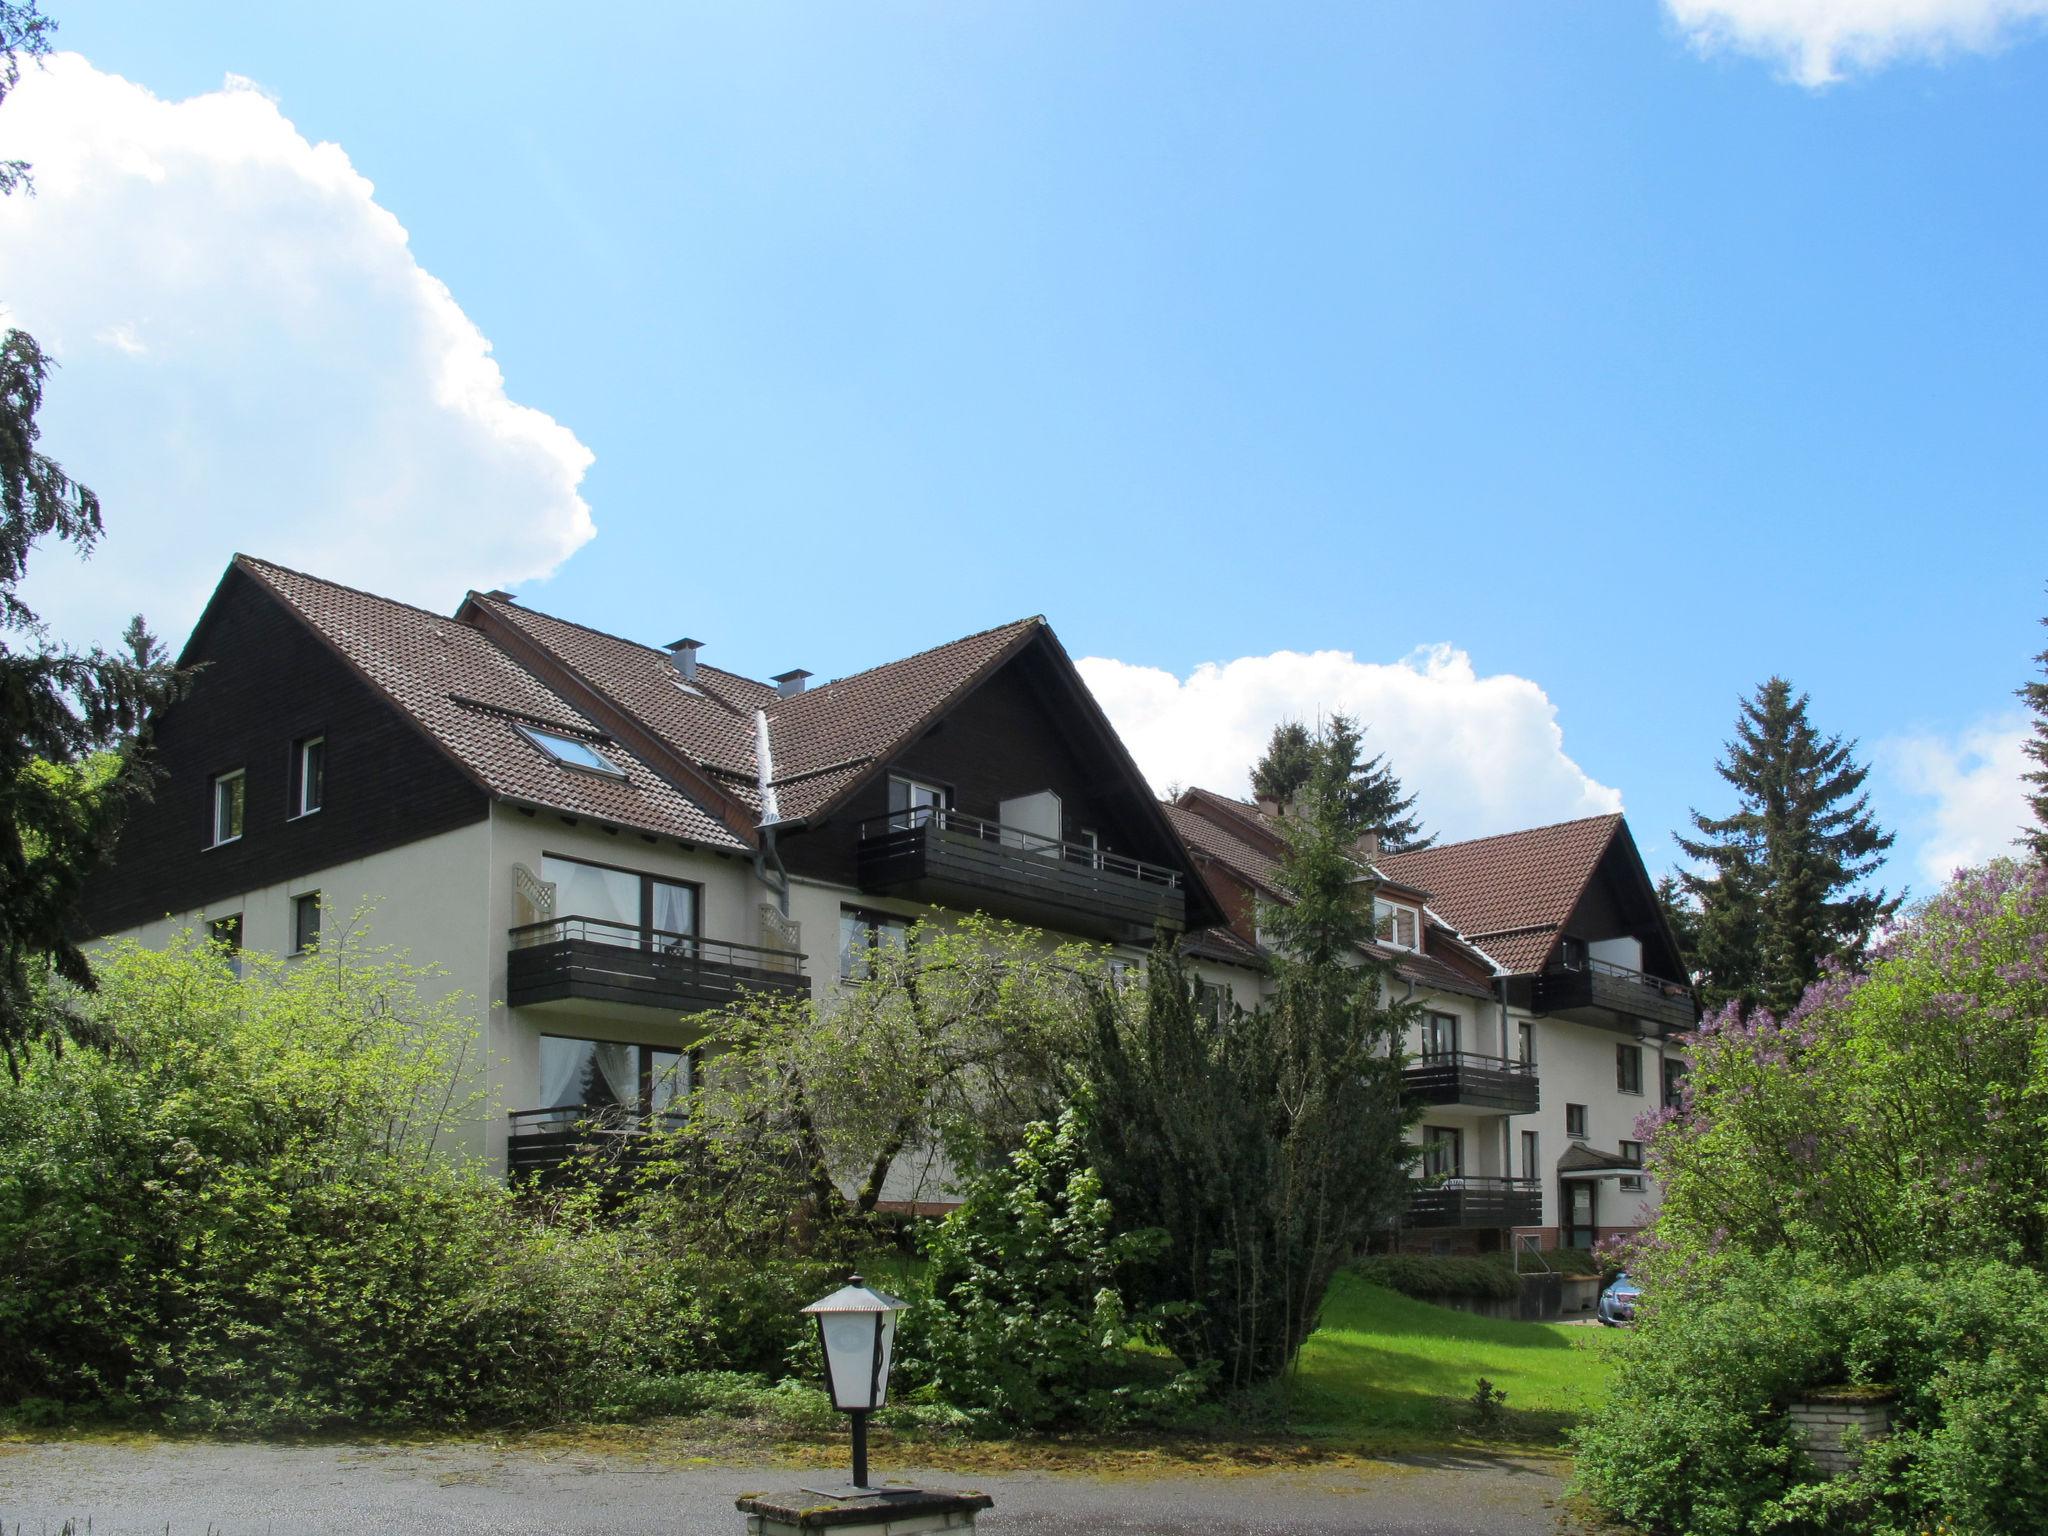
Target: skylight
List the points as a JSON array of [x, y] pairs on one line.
[[570, 752]]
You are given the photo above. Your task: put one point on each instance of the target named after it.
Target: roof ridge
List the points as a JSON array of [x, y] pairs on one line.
[[247, 561], [944, 645], [605, 634], [1494, 837]]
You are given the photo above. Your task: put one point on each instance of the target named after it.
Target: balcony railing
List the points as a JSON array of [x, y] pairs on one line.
[[1478, 1082], [952, 859], [1475, 1201], [590, 959], [550, 1144], [1612, 994]]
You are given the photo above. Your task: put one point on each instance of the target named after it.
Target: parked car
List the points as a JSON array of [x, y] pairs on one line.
[[1618, 1301]]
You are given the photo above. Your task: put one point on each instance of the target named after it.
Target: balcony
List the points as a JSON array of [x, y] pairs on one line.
[[1611, 996], [587, 960], [553, 1146], [954, 860], [1475, 1082], [1459, 1201]]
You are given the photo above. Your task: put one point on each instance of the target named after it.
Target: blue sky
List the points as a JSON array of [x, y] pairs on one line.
[[1630, 367]]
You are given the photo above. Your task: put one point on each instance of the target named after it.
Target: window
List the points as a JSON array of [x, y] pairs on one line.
[[861, 934], [1394, 924], [1632, 1153], [229, 791], [1530, 1159], [1628, 1069], [1439, 1034], [613, 1080], [309, 774], [1571, 953], [1526, 1033], [622, 906], [1443, 1151], [305, 922], [227, 933], [571, 752], [1575, 1121], [1212, 998], [912, 802], [1674, 1082]]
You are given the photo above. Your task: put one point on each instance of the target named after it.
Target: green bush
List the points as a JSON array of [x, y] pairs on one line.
[[1490, 1277], [1693, 1438], [1025, 1325]]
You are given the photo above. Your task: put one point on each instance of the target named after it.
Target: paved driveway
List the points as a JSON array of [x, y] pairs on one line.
[[193, 1489]]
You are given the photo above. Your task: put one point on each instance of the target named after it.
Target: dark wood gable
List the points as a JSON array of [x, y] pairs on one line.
[[268, 681], [1021, 730], [1620, 901]]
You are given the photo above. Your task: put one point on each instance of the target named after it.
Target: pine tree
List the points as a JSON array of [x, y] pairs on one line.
[[1331, 762], [2035, 838], [1781, 894], [1682, 914]]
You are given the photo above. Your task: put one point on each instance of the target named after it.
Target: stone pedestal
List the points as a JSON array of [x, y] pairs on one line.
[[877, 1514], [1820, 1418]]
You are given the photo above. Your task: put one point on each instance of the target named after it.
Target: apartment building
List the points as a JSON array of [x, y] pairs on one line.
[[595, 837], [1542, 967]]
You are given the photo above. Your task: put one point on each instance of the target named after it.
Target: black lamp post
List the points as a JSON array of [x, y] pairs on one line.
[[857, 1330]]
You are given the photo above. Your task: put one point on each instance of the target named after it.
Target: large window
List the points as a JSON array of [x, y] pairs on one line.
[[230, 791], [611, 1079], [1439, 1034], [1443, 1151], [1394, 924], [623, 906], [861, 934], [309, 774], [1628, 1069], [912, 802]]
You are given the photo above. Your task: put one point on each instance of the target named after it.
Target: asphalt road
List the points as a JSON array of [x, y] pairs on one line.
[[213, 1489]]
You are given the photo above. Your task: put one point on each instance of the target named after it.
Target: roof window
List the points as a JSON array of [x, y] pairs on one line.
[[570, 752]]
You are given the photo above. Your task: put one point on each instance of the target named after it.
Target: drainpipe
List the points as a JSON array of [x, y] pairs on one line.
[[771, 815]]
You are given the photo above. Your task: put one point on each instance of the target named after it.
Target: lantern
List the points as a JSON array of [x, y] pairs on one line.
[[857, 1330]]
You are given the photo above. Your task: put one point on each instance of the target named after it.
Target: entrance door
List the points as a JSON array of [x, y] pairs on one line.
[[1581, 1213]]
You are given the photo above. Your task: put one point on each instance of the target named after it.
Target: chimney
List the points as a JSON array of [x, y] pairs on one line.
[[1268, 805], [500, 595], [682, 655], [1369, 845], [791, 683]]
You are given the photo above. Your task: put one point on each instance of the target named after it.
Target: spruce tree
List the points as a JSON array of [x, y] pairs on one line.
[[2035, 838], [1682, 915], [1332, 762], [1781, 893]]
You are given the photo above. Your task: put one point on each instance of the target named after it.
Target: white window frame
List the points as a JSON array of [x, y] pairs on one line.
[[921, 799], [238, 776], [1386, 925], [301, 750], [1632, 1183]]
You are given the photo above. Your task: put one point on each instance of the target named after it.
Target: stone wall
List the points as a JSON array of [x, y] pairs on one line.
[[1822, 1422]]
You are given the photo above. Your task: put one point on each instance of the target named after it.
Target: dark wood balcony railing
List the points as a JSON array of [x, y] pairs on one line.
[[588, 959], [1478, 1082], [1605, 993], [951, 859], [1475, 1201], [548, 1145]]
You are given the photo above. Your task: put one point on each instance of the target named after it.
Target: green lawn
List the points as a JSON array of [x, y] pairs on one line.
[[1382, 1364]]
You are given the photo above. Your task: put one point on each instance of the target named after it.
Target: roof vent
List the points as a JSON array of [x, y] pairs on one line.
[[791, 683], [682, 655]]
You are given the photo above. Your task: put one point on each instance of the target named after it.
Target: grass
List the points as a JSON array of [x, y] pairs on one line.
[[1384, 1366]]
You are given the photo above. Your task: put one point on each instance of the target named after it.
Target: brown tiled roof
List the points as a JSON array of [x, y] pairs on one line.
[[1511, 894], [466, 694], [1223, 944], [1207, 838], [822, 738]]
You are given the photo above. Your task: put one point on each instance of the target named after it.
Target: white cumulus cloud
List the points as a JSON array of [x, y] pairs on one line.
[[1481, 754], [252, 358], [1817, 42], [1972, 798]]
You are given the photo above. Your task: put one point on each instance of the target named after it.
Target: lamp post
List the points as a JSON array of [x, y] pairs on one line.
[[857, 1330]]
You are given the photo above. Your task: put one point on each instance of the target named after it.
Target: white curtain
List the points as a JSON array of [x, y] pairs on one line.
[[586, 890]]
